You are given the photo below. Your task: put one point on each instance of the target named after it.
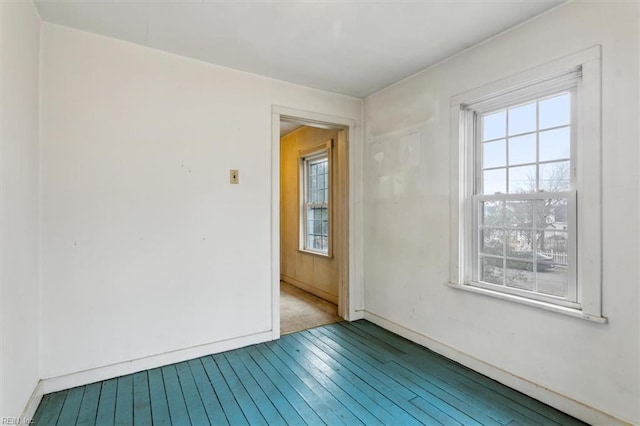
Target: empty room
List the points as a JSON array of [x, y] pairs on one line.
[[452, 186]]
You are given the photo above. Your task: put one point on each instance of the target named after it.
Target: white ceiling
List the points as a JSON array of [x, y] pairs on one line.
[[352, 47]]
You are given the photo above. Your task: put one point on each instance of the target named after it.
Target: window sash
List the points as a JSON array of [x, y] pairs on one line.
[[572, 298], [472, 114], [311, 239]]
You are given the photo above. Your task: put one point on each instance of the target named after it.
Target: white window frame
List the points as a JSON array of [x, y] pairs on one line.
[[306, 157], [472, 114], [585, 193]]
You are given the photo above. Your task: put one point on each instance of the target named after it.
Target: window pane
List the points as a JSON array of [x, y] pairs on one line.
[[494, 126], [555, 111], [554, 177], [555, 144], [552, 273], [494, 181], [556, 245], [519, 214], [522, 179], [491, 213], [492, 241], [494, 154], [519, 274], [551, 216], [491, 270], [554, 281], [522, 149], [522, 119], [520, 241]]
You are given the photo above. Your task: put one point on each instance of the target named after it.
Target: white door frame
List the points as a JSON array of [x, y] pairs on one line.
[[350, 293]]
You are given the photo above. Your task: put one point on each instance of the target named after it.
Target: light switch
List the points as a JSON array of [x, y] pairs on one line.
[[233, 176]]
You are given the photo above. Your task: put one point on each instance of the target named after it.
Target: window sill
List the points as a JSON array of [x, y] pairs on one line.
[[577, 313], [315, 253]]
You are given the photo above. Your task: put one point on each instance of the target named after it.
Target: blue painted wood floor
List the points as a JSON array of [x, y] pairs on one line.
[[346, 373]]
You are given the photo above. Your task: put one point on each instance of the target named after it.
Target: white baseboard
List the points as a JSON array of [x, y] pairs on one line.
[[561, 402], [33, 403], [356, 315], [310, 289], [80, 378]]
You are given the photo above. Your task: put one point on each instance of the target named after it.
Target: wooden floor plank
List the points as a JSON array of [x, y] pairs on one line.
[[349, 346], [337, 333], [423, 387], [388, 387], [305, 402], [195, 408], [175, 398], [441, 395], [472, 388], [141, 399], [306, 368], [42, 408], [380, 343], [210, 401], [71, 407], [271, 390], [248, 406], [313, 391], [124, 401], [263, 402], [383, 398], [107, 403], [226, 397], [347, 373], [89, 406], [445, 380], [438, 415], [54, 402], [370, 374], [412, 348], [158, 397]]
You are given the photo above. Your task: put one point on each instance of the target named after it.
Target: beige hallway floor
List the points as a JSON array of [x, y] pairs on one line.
[[300, 310]]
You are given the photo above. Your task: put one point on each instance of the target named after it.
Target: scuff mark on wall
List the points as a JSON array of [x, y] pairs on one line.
[[395, 165]]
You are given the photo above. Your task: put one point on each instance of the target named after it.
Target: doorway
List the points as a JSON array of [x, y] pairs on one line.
[[313, 224]]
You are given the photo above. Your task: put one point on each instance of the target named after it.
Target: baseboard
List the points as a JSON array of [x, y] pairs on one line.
[[310, 289], [561, 402], [80, 378], [32, 404]]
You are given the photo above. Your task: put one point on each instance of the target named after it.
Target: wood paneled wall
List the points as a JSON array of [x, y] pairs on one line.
[[314, 273]]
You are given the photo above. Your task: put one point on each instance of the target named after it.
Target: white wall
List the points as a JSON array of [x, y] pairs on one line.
[[19, 300], [146, 247], [407, 217]]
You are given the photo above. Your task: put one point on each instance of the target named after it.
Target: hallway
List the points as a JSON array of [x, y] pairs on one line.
[[300, 310]]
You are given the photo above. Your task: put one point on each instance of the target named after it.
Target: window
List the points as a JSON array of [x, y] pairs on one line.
[[315, 194], [524, 228], [528, 194]]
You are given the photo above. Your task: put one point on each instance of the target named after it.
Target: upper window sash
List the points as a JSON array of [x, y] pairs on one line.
[[477, 165], [526, 91]]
